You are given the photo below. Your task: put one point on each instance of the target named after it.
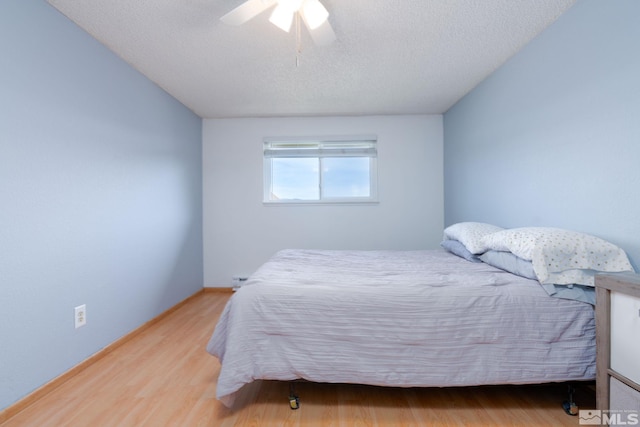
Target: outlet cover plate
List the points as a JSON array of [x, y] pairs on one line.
[[80, 315]]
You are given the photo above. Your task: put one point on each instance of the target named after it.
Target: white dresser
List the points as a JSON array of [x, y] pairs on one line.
[[618, 342]]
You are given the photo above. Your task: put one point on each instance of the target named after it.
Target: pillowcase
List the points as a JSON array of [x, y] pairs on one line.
[[458, 248], [575, 292], [470, 234], [559, 256], [509, 262]]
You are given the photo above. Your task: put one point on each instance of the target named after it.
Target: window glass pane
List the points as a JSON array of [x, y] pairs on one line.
[[345, 177], [295, 179]]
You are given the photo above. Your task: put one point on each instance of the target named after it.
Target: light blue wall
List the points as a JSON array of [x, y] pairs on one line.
[[553, 137], [243, 233], [100, 197]]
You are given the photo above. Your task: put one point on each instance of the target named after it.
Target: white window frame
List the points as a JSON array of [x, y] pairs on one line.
[[321, 147]]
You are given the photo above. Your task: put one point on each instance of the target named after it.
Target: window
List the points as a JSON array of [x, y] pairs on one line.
[[320, 170]]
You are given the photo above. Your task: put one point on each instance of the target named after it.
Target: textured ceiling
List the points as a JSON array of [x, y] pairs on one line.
[[390, 57]]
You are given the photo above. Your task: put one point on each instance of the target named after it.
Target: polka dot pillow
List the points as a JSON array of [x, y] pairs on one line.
[[559, 256]]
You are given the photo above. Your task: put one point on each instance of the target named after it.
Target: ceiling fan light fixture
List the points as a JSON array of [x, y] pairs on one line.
[[292, 5], [314, 13], [282, 17]]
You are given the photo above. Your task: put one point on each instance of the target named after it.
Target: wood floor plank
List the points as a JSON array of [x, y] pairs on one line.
[[164, 377]]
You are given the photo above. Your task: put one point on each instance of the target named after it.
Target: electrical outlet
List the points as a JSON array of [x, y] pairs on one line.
[[81, 315]]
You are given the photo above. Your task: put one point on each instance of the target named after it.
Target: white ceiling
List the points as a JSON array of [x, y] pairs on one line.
[[390, 56]]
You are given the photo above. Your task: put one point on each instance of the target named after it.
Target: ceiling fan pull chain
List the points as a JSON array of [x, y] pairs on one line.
[[298, 40]]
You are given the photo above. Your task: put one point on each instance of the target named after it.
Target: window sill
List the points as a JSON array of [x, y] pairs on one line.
[[320, 202]]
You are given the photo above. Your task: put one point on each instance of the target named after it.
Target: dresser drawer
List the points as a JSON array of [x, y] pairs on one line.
[[625, 335]]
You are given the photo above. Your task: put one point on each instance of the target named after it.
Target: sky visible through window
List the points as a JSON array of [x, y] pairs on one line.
[[299, 178]]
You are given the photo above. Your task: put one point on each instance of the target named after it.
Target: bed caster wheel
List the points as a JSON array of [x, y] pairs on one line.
[[569, 405], [294, 402], [570, 408]]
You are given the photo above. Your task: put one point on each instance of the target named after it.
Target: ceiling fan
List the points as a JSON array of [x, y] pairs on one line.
[[312, 12]]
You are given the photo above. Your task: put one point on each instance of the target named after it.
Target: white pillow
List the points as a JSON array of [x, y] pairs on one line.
[[470, 234], [560, 257]]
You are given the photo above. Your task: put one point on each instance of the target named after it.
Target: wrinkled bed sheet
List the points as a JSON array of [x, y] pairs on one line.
[[397, 318]]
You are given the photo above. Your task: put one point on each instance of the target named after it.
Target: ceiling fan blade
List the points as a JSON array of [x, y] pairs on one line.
[[322, 35], [282, 18], [246, 11], [313, 13]]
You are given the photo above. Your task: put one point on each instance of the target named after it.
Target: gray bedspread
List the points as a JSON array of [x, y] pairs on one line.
[[398, 318]]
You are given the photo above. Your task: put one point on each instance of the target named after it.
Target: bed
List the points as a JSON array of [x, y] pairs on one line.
[[426, 318]]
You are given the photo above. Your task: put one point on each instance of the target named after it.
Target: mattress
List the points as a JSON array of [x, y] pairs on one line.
[[397, 318]]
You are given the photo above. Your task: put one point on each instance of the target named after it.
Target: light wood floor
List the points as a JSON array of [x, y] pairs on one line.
[[164, 377]]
